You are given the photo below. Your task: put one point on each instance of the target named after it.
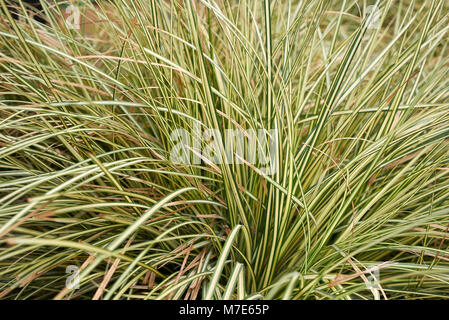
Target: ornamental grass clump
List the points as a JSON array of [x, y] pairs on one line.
[[344, 195]]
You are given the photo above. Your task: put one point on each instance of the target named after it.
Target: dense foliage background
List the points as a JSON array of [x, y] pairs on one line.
[[358, 206]]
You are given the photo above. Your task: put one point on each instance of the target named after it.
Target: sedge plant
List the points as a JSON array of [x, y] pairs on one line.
[[354, 92]]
